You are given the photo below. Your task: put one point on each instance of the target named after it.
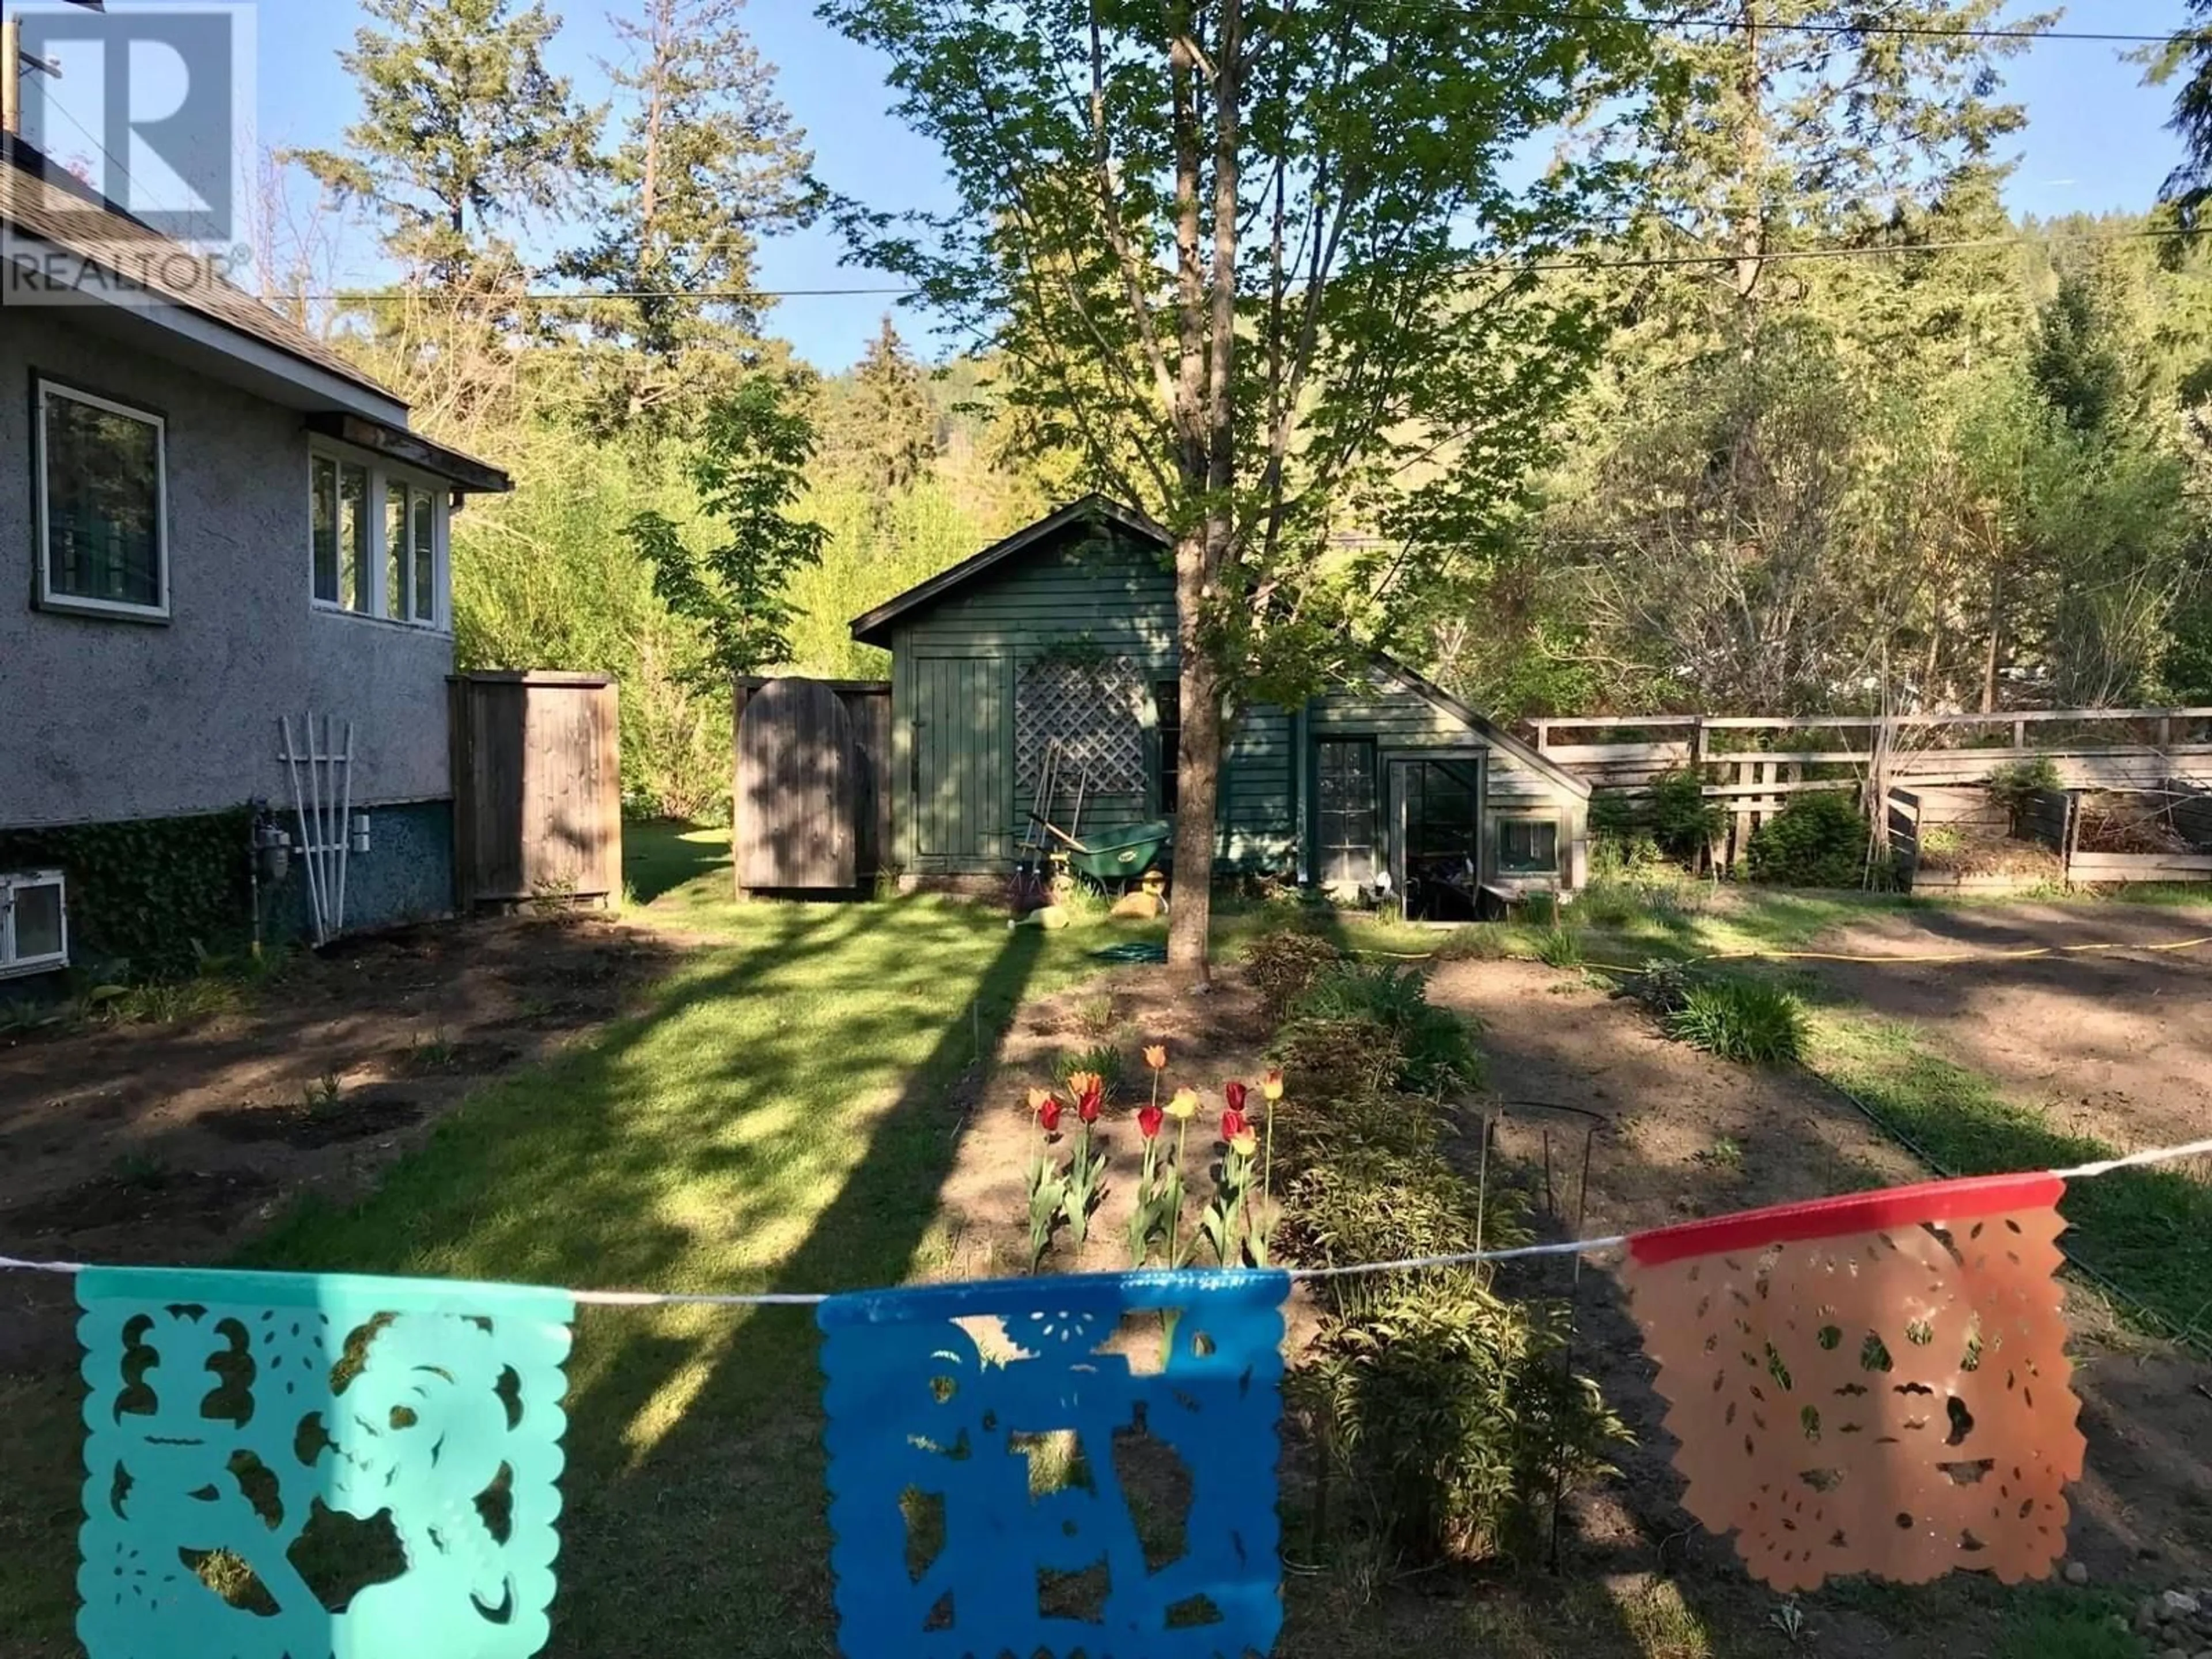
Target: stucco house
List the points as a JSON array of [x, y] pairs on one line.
[[1064, 634], [209, 521]]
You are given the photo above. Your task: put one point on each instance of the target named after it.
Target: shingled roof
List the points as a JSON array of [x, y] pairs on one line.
[[41, 199]]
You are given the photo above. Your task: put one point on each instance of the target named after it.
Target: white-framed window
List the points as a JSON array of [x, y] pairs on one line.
[[376, 539], [101, 473], [1528, 844], [34, 923]]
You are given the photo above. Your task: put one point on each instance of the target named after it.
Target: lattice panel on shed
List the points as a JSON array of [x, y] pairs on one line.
[[1096, 711]]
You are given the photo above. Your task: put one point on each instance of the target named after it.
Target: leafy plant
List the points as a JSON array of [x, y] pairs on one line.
[[1559, 947], [750, 471], [147, 900], [2016, 783], [1435, 1046], [1819, 840], [1663, 986], [1679, 817], [323, 1096], [1448, 1409], [1741, 1020], [1283, 965], [1096, 1015]]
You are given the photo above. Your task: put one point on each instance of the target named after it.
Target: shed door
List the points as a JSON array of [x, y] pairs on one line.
[[963, 803]]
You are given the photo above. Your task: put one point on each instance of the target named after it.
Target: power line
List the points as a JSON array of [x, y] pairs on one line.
[[1907, 31], [1643, 261]]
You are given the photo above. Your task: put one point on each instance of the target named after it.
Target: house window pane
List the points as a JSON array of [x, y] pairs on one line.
[[1167, 703], [37, 922], [398, 561], [353, 537], [1527, 847], [1345, 820], [425, 588], [103, 502], [325, 537]]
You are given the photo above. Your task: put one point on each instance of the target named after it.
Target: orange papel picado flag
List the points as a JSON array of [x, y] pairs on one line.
[[1876, 1383]]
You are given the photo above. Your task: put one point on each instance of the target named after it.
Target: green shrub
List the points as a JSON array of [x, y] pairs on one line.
[[1370, 1204], [1435, 1047], [1741, 1019], [1448, 1409], [150, 899], [1339, 1059], [1817, 841], [2012, 784], [1679, 817], [1283, 962]]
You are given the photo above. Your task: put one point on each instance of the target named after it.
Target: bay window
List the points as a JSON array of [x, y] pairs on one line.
[[377, 540]]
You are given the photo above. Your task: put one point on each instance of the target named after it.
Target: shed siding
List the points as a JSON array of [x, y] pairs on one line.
[[1099, 586], [1116, 592]]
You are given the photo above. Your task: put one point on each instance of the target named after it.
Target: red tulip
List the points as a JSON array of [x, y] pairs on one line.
[[1049, 1114], [1235, 1093], [1149, 1119], [1232, 1124], [1088, 1103]]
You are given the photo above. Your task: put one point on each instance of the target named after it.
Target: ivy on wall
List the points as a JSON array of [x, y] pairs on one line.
[[141, 893]]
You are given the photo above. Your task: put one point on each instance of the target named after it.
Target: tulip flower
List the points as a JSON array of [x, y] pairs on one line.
[[1232, 1124], [1049, 1114], [1087, 1105], [1149, 1119], [1155, 1056], [1183, 1106], [1235, 1093], [1244, 1143], [1271, 1085]]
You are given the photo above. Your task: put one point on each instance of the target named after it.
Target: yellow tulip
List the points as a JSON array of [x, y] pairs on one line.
[[1244, 1143], [1271, 1085], [1183, 1106]]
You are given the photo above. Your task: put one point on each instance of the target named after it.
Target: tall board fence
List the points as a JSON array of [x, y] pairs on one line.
[[812, 794], [537, 772]]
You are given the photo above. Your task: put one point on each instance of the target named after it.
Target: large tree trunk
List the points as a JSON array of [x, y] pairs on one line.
[[1198, 769]]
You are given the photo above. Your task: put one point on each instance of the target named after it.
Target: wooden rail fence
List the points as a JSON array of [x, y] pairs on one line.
[[1754, 763]]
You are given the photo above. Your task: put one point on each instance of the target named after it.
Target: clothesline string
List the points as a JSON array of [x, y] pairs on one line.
[[1572, 1247]]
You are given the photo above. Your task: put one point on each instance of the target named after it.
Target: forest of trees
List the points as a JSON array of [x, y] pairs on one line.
[[1757, 400]]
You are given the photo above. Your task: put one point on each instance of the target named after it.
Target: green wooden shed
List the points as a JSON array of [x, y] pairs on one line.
[[1064, 634]]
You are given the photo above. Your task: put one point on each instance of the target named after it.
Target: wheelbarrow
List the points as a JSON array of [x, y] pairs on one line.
[[1115, 856]]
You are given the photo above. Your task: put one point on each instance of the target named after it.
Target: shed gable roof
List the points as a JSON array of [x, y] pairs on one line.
[[873, 627]]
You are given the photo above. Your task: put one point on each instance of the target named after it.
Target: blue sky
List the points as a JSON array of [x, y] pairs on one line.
[[2095, 140]]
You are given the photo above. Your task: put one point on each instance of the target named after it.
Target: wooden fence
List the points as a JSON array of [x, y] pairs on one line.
[[794, 798], [2051, 818], [1752, 764], [537, 773]]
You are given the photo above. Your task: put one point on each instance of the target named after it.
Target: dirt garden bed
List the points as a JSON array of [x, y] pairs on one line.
[[171, 1144]]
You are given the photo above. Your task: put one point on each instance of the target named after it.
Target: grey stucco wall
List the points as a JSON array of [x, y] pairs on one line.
[[104, 720]]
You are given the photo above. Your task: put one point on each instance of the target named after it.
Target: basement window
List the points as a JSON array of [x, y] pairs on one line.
[[34, 923]]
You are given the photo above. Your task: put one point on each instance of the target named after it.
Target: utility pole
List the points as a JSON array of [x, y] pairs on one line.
[[11, 78]]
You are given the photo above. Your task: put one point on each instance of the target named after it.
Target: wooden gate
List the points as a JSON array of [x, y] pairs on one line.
[[537, 772], [798, 789]]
